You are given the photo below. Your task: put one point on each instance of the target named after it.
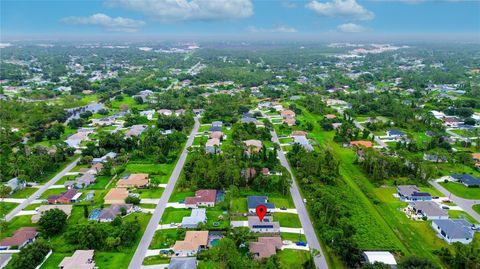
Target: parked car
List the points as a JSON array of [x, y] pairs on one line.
[[181, 202], [445, 207], [301, 243]]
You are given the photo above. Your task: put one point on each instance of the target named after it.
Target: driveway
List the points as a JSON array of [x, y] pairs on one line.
[[41, 190], [142, 248], [309, 232], [465, 204]]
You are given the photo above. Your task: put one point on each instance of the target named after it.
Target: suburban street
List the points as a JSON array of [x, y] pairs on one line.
[[309, 232], [465, 204], [40, 191], [142, 248]]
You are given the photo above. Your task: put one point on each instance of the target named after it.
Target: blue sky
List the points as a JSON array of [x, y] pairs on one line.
[[239, 17]]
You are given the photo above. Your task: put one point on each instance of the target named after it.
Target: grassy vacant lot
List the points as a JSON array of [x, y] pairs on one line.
[[166, 238], [156, 260], [149, 193], [25, 193], [174, 215], [100, 183], [50, 192], [460, 190], [292, 258], [149, 168], [178, 196], [293, 237], [6, 207], [287, 220]]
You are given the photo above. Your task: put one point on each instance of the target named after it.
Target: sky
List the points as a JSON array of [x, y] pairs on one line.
[[447, 19]]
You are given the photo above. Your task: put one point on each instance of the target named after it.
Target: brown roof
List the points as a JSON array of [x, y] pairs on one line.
[[81, 259], [298, 133], [116, 194], [256, 144], [212, 142], [67, 209], [265, 247], [216, 135], [287, 113], [208, 196], [363, 143], [330, 116], [289, 122], [476, 156], [134, 180], [193, 240], [19, 237]]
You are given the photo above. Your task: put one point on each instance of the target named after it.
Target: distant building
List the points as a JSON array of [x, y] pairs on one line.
[[394, 133], [454, 230], [82, 182], [466, 179], [202, 198], [16, 184], [362, 143], [104, 158], [212, 146], [253, 146], [136, 130], [384, 257], [81, 259]]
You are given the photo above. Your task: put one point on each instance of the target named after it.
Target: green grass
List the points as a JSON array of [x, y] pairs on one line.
[[212, 216], [25, 193], [149, 193], [6, 207], [178, 196], [17, 223], [100, 183], [455, 214], [166, 238], [292, 258], [150, 206], [50, 192], [149, 168], [460, 190], [239, 205], [155, 260], [476, 208], [174, 215], [287, 220], [54, 260], [293, 237]]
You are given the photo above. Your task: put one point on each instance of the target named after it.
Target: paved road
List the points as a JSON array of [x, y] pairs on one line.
[[465, 204], [42, 189], [312, 240], [142, 248]]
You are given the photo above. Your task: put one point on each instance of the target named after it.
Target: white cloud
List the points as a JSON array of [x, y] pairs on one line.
[[183, 10], [278, 29], [118, 24], [341, 8], [351, 28]]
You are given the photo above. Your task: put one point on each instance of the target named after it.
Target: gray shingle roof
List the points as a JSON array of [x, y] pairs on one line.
[[455, 228]]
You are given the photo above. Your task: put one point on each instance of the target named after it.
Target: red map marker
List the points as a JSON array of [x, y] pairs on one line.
[[261, 211]]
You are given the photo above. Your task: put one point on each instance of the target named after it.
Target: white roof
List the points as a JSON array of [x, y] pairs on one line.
[[77, 196], [380, 256]]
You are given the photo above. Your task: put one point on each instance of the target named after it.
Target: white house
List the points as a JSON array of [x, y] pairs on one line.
[[454, 230]]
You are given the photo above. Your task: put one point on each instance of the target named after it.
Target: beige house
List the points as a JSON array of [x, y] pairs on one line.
[[253, 146], [193, 243], [67, 209], [133, 180], [81, 259], [116, 196]]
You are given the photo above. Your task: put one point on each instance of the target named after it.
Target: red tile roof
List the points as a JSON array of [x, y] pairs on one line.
[[202, 196]]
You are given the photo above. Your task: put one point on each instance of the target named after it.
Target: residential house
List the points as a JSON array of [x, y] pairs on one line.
[[253, 146], [202, 198], [212, 146], [330, 116], [254, 201], [70, 196], [303, 141], [476, 159], [452, 121], [265, 247], [20, 238], [454, 230], [67, 209], [81, 259], [16, 184], [264, 105], [183, 263], [108, 214], [267, 225], [287, 114], [198, 111], [384, 257], [412, 193], [216, 126], [396, 134], [248, 120], [466, 179], [95, 169], [361, 143], [104, 158], [105, 121], [148, 113], [83, 181], [193, 243], [198, 215], [218, 135], [77, 138], [298, 133], [180, 112], [133, 181], [136, 130], [290, 122], [434, 158], [165, 112], [116, 196], [427, 209]]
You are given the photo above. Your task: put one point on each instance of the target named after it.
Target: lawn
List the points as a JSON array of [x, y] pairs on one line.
[[149, 193], [100, 183], [291, 258], [157, 259], [212, 216], [287, 220], [179, 196], [293, 237], [50, 192], [455, 214], [6, 207], [166, 238], [460, 190], [149, 168], [54, 260], [174, 215], [239, 205], [25, 193], [476, 208]]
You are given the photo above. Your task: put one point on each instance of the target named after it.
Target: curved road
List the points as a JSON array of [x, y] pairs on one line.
[[142, 247], [41, 190], [312, 240], [465, 204]]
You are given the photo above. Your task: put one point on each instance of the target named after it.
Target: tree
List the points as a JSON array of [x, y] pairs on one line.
[[413, 262], [85, 211], [52, 222], [31, 255], [132, 200]]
